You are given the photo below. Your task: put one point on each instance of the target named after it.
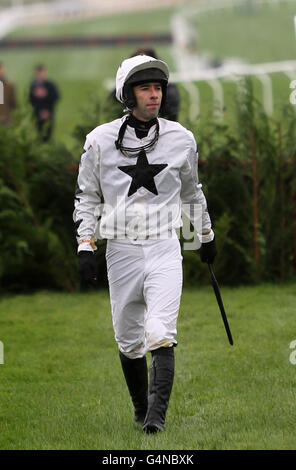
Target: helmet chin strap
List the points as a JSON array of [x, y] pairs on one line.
[[133, 152]]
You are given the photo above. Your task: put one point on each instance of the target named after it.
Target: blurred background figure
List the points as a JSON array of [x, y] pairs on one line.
[[170, 108], [43, 97], [9, 98]]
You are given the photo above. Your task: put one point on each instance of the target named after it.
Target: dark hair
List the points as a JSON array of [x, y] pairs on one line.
[[145, 51], [40, 67]]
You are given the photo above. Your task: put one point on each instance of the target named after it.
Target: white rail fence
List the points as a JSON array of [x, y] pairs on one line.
[[190, 67], [214, 78]]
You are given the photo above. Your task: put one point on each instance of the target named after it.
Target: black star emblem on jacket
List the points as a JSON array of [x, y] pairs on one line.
[[142, 174]]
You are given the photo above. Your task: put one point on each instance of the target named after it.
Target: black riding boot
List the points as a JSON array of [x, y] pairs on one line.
[[136, 377], [161, 382]]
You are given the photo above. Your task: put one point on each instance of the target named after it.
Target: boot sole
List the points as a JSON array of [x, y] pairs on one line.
[[152, 428]]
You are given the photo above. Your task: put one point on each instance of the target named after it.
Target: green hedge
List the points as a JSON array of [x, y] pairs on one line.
[[36, 197], [247, 173], [249, 179]]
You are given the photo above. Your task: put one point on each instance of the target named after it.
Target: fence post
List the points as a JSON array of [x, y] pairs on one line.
[[1, 93]]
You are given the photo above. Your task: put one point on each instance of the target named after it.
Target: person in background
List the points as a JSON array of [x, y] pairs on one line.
[[169, 110], [9, 102], [43, 97]]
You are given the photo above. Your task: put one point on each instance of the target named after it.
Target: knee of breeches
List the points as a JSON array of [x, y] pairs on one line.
[[159, 334], [132, 352]]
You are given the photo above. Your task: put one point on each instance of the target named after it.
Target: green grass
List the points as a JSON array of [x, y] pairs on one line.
[[280, 84], [9, 3], [62, 386], [80, 72], [137, 22], [265, 34]]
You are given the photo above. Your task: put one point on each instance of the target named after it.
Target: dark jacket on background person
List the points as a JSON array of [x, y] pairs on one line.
[[170, 109], [43, 97]]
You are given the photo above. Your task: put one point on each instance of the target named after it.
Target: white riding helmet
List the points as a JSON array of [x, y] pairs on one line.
[[139, 69]]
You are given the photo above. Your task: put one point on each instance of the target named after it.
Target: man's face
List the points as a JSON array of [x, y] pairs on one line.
[[41, 74], [148, 96]]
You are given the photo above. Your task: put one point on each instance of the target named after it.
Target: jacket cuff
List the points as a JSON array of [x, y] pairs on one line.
[[84, 247], [206, 238]]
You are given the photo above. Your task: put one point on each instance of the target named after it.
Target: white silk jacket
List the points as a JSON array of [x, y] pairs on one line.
[[139, 197]]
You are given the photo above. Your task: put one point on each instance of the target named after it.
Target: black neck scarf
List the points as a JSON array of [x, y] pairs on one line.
[[141, 130]]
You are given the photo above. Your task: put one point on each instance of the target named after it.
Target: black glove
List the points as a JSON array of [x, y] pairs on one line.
[[208, 252], [87, 268]]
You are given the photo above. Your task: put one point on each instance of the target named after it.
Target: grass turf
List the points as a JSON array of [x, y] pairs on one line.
[[62, 386], [130, 22], [265, 33]]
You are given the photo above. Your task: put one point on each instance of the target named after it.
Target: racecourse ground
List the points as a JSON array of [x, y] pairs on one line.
[[61, 384]]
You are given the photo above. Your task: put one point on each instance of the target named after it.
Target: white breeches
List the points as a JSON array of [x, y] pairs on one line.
[[145, 284]]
